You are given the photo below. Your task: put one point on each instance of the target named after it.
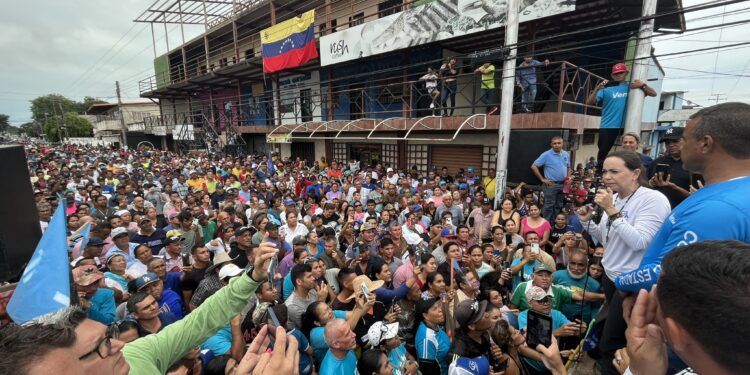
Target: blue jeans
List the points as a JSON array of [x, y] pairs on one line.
[[527, 97], [484, 96], [553, 201], [449, 91]]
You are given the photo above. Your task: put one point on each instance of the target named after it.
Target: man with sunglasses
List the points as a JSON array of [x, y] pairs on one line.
[[541, 302], [614, 100]]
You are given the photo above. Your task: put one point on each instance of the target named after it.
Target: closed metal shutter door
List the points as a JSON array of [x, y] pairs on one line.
[[455, 157]]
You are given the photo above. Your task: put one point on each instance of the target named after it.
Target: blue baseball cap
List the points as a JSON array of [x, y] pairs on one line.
[[96, 241], [146, 279], [463, 186]]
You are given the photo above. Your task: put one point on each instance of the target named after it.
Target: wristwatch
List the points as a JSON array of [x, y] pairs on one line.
[[615, 217], [643, 86]]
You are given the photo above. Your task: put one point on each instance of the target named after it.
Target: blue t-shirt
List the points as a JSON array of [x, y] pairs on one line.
[[718, 211], [334, 366], [171, 302], [433, 345], [287, 287], [558, 320], [173, 282], [221, 342], [525, 274], [555, 165], [397, 358], [570, 310], [305, 363], [318, 341], [614, 100]]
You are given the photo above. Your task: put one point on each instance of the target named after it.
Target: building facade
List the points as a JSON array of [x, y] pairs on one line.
[[369, 96]]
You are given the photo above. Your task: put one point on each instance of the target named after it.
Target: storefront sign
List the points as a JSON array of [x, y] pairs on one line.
[[431, 22]]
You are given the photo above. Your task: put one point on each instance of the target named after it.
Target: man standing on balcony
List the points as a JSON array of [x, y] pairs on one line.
[[614, 100], [488, 85], [526, 81]]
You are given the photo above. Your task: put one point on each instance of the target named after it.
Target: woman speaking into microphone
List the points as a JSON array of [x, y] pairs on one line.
[[630, 216]]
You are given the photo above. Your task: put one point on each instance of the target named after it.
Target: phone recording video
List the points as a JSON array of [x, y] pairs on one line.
[[538, 329]]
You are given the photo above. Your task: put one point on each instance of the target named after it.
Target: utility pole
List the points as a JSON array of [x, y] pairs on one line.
[[640, 68], [716, 98], [506, 101], [122, 117]]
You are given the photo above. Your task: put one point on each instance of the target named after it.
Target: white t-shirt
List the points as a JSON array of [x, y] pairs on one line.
[[626, 240]]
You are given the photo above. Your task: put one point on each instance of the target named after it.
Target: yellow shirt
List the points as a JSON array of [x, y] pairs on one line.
[[488, 79], [195, 183], [211, 185], [489, 184]]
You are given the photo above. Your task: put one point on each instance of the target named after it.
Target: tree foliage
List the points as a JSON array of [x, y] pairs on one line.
[[4, 122], [54, 111], [69, 125]]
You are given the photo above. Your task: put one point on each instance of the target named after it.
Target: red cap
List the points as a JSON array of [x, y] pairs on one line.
[[619, 68]]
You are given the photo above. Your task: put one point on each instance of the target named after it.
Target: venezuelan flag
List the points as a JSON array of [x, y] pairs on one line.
[[290, 43]]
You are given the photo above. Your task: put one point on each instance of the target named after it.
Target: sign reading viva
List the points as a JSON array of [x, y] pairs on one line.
[[437, 20]]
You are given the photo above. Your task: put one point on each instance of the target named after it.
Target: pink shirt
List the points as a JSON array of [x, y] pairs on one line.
[[403, 273], [545, 227]]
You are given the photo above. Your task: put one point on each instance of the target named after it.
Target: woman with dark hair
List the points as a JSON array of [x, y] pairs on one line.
[[429, 265], [387, 294], [318, 314], [630, 216], [509, 340], [431, 342], [221, 242], [536, 223], [451, 266], [374, 362], [506, 212], [435, 287]]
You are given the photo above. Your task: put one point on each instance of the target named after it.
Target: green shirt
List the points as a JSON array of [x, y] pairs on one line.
[[209, 231], [153, 354], [488, 79], [561, 296]]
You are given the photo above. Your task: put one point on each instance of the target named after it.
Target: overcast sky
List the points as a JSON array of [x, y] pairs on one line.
[[66, 47]]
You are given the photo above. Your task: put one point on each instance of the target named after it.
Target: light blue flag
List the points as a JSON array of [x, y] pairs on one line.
[[45, 285], [80, 236]]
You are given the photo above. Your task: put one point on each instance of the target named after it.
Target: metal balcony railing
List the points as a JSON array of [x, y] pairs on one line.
[[561, 87]]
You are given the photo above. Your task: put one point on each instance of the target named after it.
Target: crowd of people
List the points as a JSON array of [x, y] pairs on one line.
[[211, 264]]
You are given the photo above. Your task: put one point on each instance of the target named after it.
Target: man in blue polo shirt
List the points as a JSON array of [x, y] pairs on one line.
[[556, 164], [714, 144], [614, 100]]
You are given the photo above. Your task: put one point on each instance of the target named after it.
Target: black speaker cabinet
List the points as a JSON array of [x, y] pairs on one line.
[[19, 222], [525, 147]]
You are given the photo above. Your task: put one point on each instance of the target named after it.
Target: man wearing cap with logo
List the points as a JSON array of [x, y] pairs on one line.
[[471, 338], [480, 221], [391, 177], [122, 245], [614, 101], [541, 302], [667, 174], [168, 300], [99, 303], [542, 278]]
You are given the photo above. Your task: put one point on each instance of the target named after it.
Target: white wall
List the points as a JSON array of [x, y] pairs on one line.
[[290, 91]]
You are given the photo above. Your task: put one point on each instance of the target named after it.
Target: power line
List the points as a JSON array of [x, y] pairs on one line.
[[101, 57]]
